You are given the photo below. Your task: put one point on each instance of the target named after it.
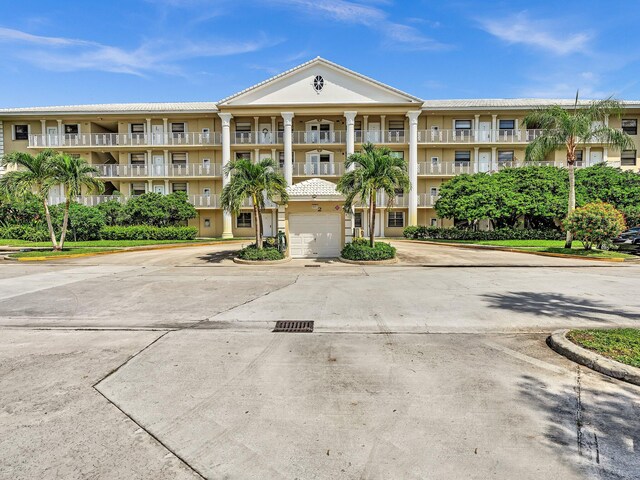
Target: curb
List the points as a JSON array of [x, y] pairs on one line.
[[241, 261], [143, 248], [559, 342], [390, 261], [515, 250]]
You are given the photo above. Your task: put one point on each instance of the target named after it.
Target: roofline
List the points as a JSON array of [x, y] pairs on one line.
[[38, 111], [567, 103], [289, 72]]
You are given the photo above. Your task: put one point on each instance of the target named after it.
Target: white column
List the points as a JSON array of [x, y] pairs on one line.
[[166, 163], [586, 161], [494, 159], [256, 126], [149, 137], [350, 139], [43, 126], [165, 122], [60, 134], [256, 157], [382, 125], [288, 146], [494, 127], [476, 127], [273, 132], [365, 123], [606, 120], [413, 167], [227, 224], [476, 157]]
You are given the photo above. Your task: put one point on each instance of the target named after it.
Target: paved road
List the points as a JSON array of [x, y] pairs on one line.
[[433, 368]]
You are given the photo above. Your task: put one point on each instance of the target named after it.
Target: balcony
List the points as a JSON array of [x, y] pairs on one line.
[[129, 140], [316, 137], [318, 169], [173, 170], [257, 138], [426, 200], [445, 169], [465, 136], [382, 136]]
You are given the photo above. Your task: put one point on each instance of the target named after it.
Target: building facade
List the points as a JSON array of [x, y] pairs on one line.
[[309, 119]]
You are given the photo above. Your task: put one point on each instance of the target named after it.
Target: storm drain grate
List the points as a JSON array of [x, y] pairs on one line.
[[294, 326]]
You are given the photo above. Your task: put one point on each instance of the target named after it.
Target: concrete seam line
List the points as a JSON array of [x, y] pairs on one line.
[[559, 342], [166, 447]]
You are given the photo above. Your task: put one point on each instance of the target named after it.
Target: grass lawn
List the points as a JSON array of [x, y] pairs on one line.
[[620, 344], [548, 246], [106, 243], [70, 251]]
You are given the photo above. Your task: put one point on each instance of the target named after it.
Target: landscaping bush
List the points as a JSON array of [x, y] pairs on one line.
[[595, 224], [112, 211], [265, 253], [360, 249], [30, 233], [85, 223], [157, 210], [437, 233], [145, 232]]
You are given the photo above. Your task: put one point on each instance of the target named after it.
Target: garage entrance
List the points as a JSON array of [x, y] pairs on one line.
[[314, 235]]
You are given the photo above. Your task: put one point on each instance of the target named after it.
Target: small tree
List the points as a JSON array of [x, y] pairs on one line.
[[255, 181], [595, 224], [376, 169]]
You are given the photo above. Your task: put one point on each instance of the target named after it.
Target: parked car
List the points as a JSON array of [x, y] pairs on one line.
[[629, 240]]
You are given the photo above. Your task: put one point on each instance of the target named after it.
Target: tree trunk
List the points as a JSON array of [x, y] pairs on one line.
[[256, 214], [47, 215], [572, 191], [65, 221], [372, 222]]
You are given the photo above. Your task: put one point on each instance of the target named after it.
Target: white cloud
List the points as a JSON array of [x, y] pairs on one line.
[[68, 54], [396, 35], [549, 36]]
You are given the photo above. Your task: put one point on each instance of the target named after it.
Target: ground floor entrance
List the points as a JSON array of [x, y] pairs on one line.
[[313, 235]]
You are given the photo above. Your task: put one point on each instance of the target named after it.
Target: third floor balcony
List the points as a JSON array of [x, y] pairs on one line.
[[130, 140]]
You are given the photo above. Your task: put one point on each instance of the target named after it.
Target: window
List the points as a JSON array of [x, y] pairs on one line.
[[505, 156], [243, 126], [357, 219], [579, 156], [395, 219], [433, 191], [462, 124], [71, 129], [243, 155], [357, 125], [435, 161], [628, 157], [206, 163], [178, 128], [137, 128], [137, 158], [21, 132], [207, 223], [281, 160], [434, 222], [462, 156], [397, 154], [244, 220], [179, 187], [396, 125], [399, 192], [630, 126], [178, 158], [507, 124], [138, 188], [206, 192]]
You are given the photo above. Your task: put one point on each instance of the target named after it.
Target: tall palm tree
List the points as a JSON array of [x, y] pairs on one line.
[[376, 169], [33, 174], [259, 182], [565, 128], [75, 174]]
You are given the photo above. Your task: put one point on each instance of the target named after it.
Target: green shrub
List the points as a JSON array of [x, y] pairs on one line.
[[30, 233], [157, 210], [85, 222], [595, 224], [112, 211], [360, 249], [265, 253], [145, 232], [437, 233]]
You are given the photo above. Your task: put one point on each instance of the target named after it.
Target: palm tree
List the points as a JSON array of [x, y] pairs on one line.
[[256, 181], [74, 173], [564, 128], [376, 169], [34, 174]]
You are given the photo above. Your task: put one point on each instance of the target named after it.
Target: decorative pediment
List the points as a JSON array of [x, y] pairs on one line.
[[319, 82], [315, 188]]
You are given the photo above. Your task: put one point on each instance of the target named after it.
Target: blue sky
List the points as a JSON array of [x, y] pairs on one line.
[[70, 51]]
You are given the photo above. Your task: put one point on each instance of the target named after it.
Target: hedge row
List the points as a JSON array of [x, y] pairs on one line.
[[145, 232], [436, 233], [24, 232], [360, 249], [265, 253]]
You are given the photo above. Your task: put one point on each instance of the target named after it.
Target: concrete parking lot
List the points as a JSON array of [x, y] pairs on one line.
[[162, 364]]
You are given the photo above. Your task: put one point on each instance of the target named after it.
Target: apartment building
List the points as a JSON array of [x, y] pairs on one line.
[[309, 119]]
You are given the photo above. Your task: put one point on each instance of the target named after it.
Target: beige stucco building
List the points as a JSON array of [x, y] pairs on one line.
[[310, 119]]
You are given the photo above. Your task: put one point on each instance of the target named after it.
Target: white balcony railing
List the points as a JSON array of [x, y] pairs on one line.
[[89, 200], [319, 137], [382, 136], [477, 136], [125, 140], [426, 200], [171, 170], [318, 169], [257, 138], [457, 168]]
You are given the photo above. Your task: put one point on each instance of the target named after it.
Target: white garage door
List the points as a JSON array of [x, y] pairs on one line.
[[314, 235]]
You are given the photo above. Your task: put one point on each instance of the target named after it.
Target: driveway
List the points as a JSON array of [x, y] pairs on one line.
[[162, 364]]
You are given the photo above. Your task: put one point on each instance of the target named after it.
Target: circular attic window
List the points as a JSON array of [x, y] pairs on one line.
[[318, 83]]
